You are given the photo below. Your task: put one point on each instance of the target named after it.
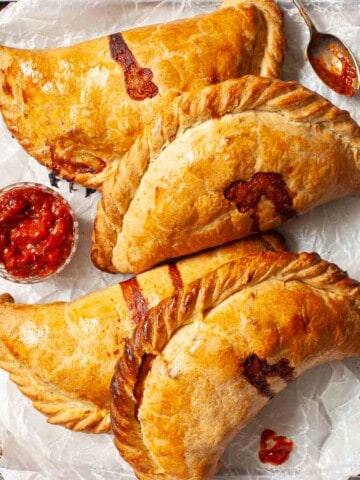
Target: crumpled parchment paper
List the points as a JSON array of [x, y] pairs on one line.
[[320, 412]]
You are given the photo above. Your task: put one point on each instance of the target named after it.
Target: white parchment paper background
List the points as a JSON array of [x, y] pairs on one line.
[[321, 410]]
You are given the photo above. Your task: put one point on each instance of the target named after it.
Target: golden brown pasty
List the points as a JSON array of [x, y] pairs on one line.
[[202, 363], [78, 109], [224, 162], [62, 355]]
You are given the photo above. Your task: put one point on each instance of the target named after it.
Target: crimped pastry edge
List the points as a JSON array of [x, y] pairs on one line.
[[57, 405], [289, 99], [161, 323], [271, 66], [274, 53]]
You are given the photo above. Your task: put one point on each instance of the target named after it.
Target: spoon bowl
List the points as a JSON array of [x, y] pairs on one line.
[[331, 59]]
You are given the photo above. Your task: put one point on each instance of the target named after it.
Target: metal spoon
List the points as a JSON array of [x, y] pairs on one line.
[[331, 60]]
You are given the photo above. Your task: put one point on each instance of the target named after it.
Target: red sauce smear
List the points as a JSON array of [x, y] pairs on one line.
[[134, 298], [36, 232], [256, 370], [138, 80], [68, 170], [274, 449], [340, 80], [175, 276], [248, 194]]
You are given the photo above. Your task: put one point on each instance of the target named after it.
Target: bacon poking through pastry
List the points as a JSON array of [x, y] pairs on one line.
[[62, 355], [202, 363], [78, 109], [225, 162]]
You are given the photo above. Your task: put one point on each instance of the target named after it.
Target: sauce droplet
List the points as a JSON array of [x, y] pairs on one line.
[[274, 449]]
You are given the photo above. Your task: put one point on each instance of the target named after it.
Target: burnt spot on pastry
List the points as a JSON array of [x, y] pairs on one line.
[[54, 180], [144, 369], [138, 80], [135, 300], [256, 370], [248, 194], [175, 276], [89, 192]]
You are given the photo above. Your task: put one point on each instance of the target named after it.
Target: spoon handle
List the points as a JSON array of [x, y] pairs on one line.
[[305, 16]]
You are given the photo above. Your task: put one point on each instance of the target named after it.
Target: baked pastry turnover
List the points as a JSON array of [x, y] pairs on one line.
[[62, 355], [222, 163], [202, 363], [78, 109]]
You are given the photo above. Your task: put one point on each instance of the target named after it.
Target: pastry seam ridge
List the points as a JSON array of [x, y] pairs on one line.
[[258, 93], [295, 102], [270, 65], [182, 308]]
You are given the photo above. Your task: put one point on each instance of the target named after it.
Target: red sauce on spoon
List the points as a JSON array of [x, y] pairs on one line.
[[335, 68]]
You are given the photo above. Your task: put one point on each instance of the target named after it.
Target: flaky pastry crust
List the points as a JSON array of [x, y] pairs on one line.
[[62, 355], [201, 364], [232, 159], [78, 109]]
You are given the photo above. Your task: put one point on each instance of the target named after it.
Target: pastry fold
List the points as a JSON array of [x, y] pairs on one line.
[[78, 109], [201, 364], [62, 355], [222, 163]]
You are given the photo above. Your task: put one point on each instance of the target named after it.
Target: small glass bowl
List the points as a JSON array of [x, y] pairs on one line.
[[40, 278]]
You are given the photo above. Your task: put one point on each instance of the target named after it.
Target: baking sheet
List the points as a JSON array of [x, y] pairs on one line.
[[320, 411]]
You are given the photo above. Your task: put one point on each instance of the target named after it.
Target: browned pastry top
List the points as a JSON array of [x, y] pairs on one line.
[[201, 364], [78, 109], [62, 355], [223, 163]]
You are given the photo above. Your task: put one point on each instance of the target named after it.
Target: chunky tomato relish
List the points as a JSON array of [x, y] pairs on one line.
[[274, 449], [36, 231]]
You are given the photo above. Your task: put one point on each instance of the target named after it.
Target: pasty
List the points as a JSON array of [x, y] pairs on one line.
[[222, 163], [201, 364], [62, 355], [78, 109]]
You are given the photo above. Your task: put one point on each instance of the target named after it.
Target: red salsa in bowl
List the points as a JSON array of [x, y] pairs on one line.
[[38, 232]]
